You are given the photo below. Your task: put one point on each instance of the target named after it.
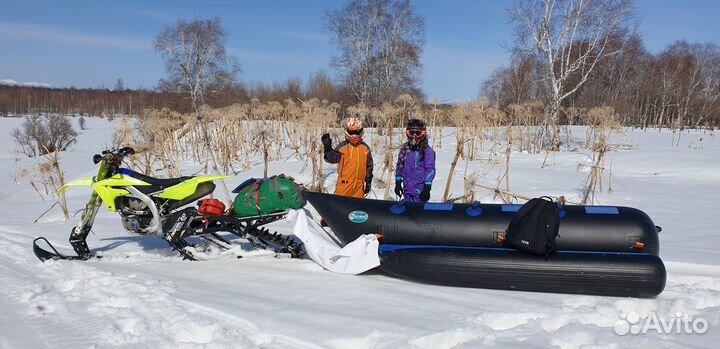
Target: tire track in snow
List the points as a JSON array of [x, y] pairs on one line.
[[252, 331], [40, 313], [89, 306]]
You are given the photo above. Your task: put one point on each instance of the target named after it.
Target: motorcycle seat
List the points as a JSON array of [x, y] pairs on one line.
[[156, 184]]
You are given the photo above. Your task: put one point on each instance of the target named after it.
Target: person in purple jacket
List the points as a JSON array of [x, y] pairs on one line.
[[416, 164]]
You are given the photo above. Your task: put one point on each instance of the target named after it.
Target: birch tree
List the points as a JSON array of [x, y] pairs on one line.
[[197, 63], [196, 60], [570, 37], [380, 43]]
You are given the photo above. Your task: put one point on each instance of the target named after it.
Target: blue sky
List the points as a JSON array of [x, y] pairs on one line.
[[93, 43]]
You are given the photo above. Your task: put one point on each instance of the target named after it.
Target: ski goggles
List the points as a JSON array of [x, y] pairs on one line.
[[354, 132], [415, 133]]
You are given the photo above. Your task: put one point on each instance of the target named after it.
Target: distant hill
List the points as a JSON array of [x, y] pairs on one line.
[[10, 82]]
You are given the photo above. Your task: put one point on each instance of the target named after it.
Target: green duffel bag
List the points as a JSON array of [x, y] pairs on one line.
[[262, 196]]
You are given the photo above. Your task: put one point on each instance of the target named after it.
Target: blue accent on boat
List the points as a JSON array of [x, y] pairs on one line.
[[475, 210], [125, 172], [358, 217], [437, 206], [601, 210], [398, 208], [392, 248], [511, 207], [243, 185]]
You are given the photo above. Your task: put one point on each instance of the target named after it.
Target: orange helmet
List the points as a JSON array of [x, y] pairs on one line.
[[354, 130]]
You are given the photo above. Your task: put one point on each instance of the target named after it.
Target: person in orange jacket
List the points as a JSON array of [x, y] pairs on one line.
[[355, 163]]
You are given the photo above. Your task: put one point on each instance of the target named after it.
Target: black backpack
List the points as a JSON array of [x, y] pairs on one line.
[[534, 227]]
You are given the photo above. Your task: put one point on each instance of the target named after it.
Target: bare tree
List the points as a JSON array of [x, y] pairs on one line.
[[618, 81], [320, 86], [710, 93], [42, 135], [197, 63], [380, 43], [195, 58], [515, 84], [119, 85], [700, 71], [571, 37]]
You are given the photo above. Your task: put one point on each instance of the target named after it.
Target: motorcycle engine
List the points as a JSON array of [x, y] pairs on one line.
[[135, 216]]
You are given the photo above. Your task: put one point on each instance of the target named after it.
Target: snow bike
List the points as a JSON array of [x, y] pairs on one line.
[[153, 206]]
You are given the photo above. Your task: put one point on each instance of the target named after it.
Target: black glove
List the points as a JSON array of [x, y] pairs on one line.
[[398, 188], [368, 186], [327, 142], [425, 193]]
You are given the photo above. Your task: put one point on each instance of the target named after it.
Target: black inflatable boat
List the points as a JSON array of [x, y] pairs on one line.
[[604, 250]]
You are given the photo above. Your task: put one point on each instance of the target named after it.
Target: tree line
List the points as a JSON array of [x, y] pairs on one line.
[[22, 100], [379, 46], [572, 55], [678, 87], [566, 55]]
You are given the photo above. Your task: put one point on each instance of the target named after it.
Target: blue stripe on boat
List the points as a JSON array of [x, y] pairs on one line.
[[392, 248], [435, 206], [511, 207], [601, 210]]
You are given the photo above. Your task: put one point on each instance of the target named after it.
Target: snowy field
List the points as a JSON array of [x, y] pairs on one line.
[[141, 295]]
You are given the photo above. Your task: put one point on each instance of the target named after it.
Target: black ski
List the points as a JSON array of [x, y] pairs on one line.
[[44, 255]]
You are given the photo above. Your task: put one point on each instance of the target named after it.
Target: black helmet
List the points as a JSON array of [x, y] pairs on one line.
[[416, 132], [416, 124]]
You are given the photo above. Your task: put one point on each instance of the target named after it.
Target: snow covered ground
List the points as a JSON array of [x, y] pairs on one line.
[[142, 296]]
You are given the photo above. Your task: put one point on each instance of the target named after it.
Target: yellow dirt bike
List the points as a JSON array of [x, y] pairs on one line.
[[154, 206]]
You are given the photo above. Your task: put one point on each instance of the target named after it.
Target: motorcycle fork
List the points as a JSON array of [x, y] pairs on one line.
[[79, 234]]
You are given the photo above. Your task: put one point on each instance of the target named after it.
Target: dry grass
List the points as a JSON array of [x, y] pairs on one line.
[[54, 178], [602, 122], [239, 132], [235, 135]]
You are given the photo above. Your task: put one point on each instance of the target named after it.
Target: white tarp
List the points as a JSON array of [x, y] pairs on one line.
[[356, 257]]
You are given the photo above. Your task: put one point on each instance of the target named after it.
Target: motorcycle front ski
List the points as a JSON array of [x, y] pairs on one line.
[[44, 255]]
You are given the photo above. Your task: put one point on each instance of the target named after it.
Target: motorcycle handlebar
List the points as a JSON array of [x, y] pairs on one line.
[[126, 151], [112, 153]]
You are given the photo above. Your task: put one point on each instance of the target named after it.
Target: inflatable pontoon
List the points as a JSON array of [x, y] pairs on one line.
[[603, 250]]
